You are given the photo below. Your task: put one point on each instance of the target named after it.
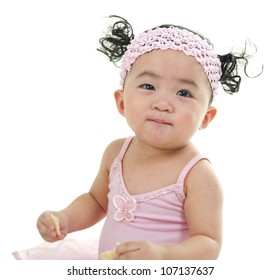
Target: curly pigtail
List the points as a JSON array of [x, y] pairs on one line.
[[118, 37], [230, 63]]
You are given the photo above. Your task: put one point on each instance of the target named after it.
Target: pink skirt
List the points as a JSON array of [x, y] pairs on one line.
[[67, 249]]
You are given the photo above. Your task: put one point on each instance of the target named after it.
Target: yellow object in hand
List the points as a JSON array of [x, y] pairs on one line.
[[55, 222], [109, 255]]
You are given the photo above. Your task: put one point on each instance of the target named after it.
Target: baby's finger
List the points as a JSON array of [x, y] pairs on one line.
[[46, 227], [126, 247]]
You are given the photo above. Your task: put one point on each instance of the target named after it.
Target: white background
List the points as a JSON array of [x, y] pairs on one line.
[[57, 114]]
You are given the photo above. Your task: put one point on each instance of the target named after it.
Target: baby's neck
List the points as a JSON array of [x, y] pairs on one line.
[[146, 150]]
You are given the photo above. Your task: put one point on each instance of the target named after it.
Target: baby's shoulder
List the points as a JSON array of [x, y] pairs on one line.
[[202, 174], [112, 151], [115, 146]]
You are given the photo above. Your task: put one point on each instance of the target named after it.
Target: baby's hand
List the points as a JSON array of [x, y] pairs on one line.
[[140, 250], [52, 226]]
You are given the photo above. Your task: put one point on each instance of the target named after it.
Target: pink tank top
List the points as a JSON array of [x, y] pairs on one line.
[[157, 216]]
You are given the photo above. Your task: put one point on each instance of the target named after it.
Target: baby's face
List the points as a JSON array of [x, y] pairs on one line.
[[166, 98]]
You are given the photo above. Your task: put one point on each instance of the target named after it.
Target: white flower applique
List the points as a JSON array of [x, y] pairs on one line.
[[125, 208]]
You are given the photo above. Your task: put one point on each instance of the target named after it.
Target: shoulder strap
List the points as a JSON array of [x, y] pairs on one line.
[[124, 147], [188, 167]]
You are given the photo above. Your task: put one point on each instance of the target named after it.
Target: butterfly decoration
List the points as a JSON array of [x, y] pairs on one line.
[[125, 208]]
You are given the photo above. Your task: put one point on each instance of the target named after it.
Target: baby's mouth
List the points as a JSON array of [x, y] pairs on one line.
[[159, 121]]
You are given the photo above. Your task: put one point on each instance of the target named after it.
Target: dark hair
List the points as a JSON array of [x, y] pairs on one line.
[[114, 45], [116, 40]]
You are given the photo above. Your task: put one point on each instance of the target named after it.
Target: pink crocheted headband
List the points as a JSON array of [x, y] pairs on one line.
[[177, 39]]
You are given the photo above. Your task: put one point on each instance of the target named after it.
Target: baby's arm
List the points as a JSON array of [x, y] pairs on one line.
[[86, 210], [203, 210], [91, 207]]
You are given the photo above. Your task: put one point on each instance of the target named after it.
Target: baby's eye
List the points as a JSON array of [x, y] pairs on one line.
[[148, 87], [184, 93]]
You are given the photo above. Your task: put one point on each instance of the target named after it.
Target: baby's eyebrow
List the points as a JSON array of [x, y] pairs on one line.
[[187, 81], [147, 73], [154, 75]]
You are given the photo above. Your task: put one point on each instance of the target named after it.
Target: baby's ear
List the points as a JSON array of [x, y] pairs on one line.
[[209, 116], [119, 101]]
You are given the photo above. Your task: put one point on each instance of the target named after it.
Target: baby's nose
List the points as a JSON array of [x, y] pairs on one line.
[[163, 104]]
